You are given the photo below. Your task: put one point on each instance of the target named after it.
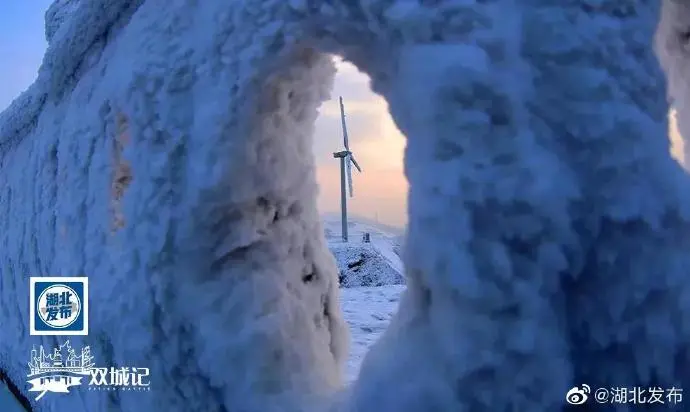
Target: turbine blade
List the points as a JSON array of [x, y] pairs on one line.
[[354, 162], [342, 120], [349, 178]]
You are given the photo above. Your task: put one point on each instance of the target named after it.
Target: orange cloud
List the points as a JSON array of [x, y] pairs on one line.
[[378, 194], [381, 190], [677, 146]]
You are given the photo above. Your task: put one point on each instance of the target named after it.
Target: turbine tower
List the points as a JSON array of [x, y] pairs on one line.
[[346, 161]]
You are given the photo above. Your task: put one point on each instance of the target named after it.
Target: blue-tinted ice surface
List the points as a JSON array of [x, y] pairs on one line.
[[548, 231], [8, 403]]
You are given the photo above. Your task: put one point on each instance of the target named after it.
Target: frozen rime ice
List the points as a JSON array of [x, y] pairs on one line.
[[548, 238], [56, 15]]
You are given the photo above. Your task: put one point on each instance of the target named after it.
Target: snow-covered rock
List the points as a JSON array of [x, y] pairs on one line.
[[375, 263], [363, 265]]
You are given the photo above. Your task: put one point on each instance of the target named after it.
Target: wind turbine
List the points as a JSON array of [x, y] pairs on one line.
[[347, 159]]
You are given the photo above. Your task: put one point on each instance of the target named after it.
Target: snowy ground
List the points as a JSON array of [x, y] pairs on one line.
[[367, 311]]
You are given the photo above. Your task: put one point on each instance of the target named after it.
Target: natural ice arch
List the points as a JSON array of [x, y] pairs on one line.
[[554, 164]]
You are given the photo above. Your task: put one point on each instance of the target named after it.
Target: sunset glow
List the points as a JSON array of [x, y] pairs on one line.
[[380, 192], [677, 146]]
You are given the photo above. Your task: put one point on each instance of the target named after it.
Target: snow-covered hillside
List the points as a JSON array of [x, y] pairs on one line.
[[371, 276], [384, 241]]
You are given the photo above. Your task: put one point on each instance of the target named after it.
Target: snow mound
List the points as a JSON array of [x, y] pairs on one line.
[[363, 265], [385, 240]]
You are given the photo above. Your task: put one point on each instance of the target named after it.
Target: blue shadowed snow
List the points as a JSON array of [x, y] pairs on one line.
[[8, 403]]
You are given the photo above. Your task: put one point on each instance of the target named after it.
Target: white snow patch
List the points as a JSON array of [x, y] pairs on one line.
[[367, 312]]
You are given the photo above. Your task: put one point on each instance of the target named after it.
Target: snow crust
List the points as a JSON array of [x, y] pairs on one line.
[[367, 311], [548, 228]]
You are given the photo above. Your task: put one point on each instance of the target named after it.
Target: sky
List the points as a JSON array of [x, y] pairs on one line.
[[22, 44], [380, 191]]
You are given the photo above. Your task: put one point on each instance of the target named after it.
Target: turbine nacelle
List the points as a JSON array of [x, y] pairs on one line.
[[347, 160]]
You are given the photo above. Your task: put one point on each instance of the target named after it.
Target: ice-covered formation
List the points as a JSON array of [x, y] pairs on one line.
[[548, 228], [56, 15], [363, 265]]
